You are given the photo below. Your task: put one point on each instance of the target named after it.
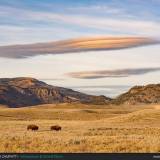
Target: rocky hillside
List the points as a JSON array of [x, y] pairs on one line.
[[19, 92], [140, 95]]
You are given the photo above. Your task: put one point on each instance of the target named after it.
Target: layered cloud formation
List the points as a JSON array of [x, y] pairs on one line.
[[74, 45], [112, 73]]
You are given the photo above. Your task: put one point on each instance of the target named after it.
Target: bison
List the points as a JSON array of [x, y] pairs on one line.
[[56, 128], [32, 127]]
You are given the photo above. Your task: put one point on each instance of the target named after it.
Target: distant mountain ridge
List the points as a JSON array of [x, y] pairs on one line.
[[19, 92]]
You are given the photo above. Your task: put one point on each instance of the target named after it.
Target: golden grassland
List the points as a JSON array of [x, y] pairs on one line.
[[85, 128]]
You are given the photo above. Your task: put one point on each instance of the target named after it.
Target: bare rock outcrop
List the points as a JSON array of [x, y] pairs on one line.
[[140, 95], [19, 92]]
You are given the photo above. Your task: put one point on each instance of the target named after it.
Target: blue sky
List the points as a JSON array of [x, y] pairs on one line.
[[31, 21], [27, 21]]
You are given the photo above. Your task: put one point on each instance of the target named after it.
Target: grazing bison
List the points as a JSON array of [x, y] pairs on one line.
[[32, 127], [56, 128]]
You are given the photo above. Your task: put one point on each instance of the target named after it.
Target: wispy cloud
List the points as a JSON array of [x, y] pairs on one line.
[[97, 9], [74, 45], [139, 27], [51, 79], [112, 73], [11, 34], [74, 21]]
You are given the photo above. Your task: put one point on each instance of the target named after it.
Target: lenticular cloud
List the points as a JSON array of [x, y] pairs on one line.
[[74, 46], [112, 73]]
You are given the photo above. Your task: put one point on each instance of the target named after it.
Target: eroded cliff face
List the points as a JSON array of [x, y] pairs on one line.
[[140, 95], [19, 92]]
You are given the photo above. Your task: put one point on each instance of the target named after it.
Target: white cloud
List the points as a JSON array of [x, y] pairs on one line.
[[138, 27], [10, 34], [97, 8], [105, 25], [123, 25]]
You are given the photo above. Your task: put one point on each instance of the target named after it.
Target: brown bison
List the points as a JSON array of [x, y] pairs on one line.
[[32, 127], [56, 128]]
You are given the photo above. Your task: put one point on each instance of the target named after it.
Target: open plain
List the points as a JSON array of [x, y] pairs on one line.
[[85, 128]]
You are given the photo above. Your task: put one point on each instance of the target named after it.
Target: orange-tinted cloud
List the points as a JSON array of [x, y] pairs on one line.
[[75, 45]]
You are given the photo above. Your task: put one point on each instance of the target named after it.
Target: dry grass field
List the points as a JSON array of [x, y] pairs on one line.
[[85, 128]]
